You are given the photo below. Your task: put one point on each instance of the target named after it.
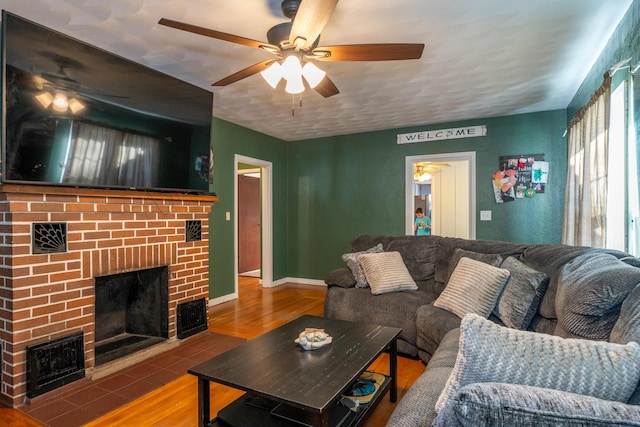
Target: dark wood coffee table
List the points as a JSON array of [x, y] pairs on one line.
[[305, 385]]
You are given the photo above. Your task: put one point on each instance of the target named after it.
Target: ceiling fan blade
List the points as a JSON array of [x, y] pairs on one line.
[[369, 52], [218, 35], [243, 74], [326, 87], [436, 165], [310, 19]]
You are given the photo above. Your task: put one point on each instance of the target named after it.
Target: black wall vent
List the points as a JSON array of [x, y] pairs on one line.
[[192, 317], [49, 237], [55, 363], [193, 230]]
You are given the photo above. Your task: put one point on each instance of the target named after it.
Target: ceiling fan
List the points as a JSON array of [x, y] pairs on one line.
[[58, 90], [422, 171], [295, 47]]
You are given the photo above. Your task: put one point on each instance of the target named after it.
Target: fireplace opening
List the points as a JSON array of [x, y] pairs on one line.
[[132, 312]]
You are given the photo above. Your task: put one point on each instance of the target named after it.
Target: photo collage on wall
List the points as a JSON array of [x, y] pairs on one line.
[[519, 177]]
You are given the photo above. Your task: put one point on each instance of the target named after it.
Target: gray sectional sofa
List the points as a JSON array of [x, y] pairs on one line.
[[557, 345]]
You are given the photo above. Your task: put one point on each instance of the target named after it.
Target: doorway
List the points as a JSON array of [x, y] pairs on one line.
[[446, 192], [249, 212], [253, 219]]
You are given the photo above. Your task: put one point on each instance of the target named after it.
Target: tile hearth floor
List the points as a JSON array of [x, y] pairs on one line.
[[84, 400]]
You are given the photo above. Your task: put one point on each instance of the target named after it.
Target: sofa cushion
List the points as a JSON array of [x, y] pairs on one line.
[[474, 287], [591, 289], [520, 405], [432, 324], [550, 258], [521, 295], [386, 273], [491, 259], [448, 245], [627, 327], [416, 408], [492, 353], [354, 264], [447, 352], [396, 309], [418, 252]]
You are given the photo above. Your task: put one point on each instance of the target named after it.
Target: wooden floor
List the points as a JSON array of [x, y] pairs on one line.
[[257, 310]]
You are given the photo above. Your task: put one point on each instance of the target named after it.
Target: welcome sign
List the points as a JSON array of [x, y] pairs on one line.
[[440, 134]]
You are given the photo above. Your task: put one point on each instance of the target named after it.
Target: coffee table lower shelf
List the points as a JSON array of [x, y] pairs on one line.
[[251, 411]]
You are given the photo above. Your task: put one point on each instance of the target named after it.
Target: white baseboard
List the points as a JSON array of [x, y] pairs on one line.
[[223, 298], [284, 280]]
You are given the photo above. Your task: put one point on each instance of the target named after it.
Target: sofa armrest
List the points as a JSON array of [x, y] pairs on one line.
[[432, 325], [340, 277], [511, 404]]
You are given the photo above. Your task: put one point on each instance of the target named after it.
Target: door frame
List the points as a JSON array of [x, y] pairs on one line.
[[266, 225], [469, 156]]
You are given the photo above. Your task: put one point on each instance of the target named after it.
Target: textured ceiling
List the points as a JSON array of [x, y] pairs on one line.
[[482, 58]]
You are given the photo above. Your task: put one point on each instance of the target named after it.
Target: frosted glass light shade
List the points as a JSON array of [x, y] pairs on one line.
[[291, 68], [294, 85], [312, 74], [273, 74]]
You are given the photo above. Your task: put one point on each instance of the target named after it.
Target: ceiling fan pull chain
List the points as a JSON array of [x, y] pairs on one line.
[[293, 105]]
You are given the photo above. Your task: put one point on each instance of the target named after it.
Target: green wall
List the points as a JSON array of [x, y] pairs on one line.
[[343, 186], [227, 140]]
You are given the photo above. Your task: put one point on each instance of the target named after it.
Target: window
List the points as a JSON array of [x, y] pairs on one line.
[[623, 208]]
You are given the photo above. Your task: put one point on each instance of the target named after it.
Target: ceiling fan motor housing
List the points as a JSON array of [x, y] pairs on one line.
[[278, 35], [289, 8]]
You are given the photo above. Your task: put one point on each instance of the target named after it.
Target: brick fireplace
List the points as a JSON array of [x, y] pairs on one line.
[[47, 282]]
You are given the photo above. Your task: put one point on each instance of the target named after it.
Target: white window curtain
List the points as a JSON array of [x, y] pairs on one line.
[[585, 207], [104, 156]]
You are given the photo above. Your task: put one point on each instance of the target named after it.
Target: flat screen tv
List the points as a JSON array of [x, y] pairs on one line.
[[76, 115]]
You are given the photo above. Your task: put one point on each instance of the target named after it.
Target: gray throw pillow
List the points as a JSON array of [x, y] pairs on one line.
[[519, 405], [521, 295], [386, 272], [492, 353], [591, 289], [473, 287], [353, 263], [340, 277], [491, 259]]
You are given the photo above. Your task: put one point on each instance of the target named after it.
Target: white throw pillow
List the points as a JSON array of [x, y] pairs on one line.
[[492, 353], [386, 272], [474, 287]]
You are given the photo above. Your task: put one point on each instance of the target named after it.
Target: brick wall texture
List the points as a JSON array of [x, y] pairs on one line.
[[47, 296]]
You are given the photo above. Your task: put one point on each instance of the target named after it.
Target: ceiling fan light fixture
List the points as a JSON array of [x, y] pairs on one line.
[[312, 74], [295, 85], [273, 74]]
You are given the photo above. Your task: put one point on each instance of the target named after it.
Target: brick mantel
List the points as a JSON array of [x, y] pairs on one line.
[[49, 295]]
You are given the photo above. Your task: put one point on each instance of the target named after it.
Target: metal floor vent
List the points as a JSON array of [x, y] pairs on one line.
[[192, 317], [55, 363]]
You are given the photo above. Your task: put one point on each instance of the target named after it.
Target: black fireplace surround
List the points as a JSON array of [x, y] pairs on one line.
[[131, 312]]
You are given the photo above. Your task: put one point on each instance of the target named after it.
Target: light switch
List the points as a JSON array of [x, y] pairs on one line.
[[485, 215], [228, 215]]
